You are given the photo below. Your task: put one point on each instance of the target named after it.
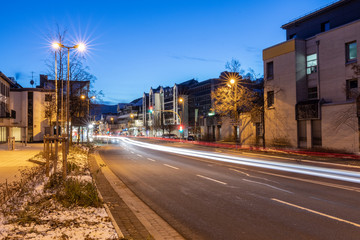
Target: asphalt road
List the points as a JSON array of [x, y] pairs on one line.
[[211, 199]]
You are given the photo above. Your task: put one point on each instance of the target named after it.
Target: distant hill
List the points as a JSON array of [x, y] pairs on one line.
[[98, 109]]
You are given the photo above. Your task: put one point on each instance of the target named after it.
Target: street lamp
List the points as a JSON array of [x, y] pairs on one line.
[[181, 128], [81, 47], [234, 82]]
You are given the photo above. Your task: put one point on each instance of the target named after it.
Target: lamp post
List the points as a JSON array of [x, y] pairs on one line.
[[56, 47], [81, 47], [234, 82], [182, 101], [132, 119], [83, 97]]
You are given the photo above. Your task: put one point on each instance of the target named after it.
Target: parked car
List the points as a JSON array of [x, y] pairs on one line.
[[172, 136], [191, 138]]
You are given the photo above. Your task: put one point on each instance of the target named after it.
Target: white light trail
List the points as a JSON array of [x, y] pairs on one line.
[[342, 175]]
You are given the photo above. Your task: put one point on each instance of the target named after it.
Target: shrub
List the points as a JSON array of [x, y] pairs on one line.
[[78, 193]]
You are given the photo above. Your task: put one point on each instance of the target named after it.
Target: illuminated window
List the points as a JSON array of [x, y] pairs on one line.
[[351, 52], [311, 63]]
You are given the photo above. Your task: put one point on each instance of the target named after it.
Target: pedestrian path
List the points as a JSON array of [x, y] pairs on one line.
[[13, 161]]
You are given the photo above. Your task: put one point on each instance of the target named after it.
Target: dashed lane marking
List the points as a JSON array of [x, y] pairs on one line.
[[151, 159], [138, 155], [171, 166], [211, 179]]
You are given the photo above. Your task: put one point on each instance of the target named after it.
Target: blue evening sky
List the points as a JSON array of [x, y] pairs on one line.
[[135, 45]]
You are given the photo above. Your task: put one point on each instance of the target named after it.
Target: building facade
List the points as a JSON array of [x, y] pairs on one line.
[[311, 86], [7, 114]]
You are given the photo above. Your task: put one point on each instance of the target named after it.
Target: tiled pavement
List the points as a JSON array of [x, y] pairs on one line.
[[12, 161], [135, 219]]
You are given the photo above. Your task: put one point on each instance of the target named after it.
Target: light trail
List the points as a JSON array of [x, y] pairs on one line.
[[342, 175]]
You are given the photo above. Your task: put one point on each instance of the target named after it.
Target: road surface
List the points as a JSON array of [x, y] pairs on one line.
[[207, 197]]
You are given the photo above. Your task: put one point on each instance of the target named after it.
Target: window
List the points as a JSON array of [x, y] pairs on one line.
[[270, 98], [269, 70], [325, 26], [292, 36], [311, 63], [351, 52], [351, 89], [312, 93]]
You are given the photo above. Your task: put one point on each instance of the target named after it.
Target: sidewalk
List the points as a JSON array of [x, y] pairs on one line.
[[13, 161]]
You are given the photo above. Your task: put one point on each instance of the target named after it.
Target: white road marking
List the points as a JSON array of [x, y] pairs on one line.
[[316, 212], [132, 152], [211, 179], [268, 185], [239, 172], [139, 155], [171, 166], [151, 159]]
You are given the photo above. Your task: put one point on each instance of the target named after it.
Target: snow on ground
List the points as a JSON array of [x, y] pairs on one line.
[[39, 216]]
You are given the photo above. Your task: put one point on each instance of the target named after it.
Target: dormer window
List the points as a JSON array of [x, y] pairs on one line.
[[325, 26]]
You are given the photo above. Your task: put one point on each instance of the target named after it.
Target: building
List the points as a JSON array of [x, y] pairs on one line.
[[35, 113], [7, 114], [25, 113], [311, 89], [79, 98], [169, 109]]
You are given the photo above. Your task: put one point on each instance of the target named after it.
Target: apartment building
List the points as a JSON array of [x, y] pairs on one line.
[[6, 112], [169, 109], [35, 113], [311, 88]]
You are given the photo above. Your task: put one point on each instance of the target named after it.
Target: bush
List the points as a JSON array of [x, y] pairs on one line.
[[78, 193]]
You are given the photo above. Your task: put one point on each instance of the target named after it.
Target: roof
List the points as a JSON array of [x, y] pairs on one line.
[[189, 82], [13, 84], [317, 12]]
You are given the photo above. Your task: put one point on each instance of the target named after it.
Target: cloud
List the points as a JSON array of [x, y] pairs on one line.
[[194, 59]]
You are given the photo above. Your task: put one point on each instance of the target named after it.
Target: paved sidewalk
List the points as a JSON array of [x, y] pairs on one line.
[[135, 219], [13, 161]]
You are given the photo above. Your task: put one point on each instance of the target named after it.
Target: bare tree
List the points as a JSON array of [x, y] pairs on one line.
[[242, 100]]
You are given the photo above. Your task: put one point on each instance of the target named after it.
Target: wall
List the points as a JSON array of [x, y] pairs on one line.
[[340, 127], [280, 123]]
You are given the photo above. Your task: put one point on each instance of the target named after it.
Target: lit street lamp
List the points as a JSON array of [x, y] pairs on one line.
[[182, 101], [81, 47], [234, 82]]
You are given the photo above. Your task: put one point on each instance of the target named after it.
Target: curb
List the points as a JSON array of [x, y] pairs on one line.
[[112, 219]]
